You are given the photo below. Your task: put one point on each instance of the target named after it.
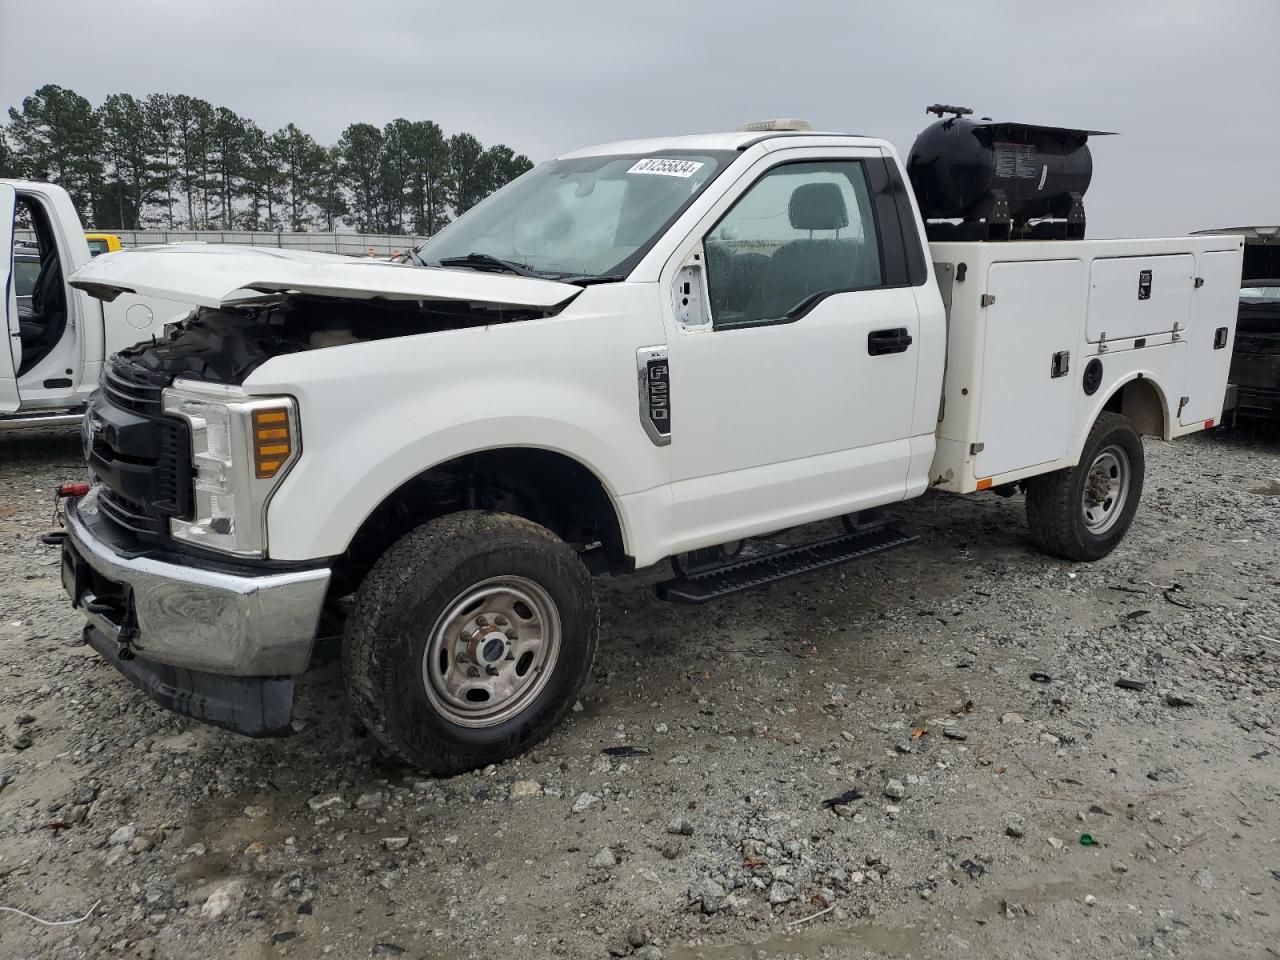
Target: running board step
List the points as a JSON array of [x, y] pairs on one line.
[[25, 420], [758, 571]]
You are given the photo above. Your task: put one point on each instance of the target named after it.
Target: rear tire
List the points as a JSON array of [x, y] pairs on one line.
[[469, 640], [1081, 513]]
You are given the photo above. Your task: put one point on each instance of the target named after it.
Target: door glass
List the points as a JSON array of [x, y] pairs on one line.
[[802, 231], [26, 267]]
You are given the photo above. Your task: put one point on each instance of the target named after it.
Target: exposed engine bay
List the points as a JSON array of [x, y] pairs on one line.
[[226, 345]]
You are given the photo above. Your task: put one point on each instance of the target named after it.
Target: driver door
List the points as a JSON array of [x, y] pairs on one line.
[[11, 354], [793, 386]]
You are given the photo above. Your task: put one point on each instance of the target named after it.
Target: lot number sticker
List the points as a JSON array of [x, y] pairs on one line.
[[667, 168]]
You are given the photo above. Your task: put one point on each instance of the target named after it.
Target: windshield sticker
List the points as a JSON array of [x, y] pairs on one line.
[[667, 168]]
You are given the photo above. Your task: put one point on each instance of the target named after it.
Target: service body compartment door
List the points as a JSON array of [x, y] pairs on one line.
[[1139, 296], [1209, 357], [1027, 400]]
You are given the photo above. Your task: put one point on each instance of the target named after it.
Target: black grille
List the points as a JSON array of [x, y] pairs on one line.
[[130, 515], [128, 388], [141, 456]]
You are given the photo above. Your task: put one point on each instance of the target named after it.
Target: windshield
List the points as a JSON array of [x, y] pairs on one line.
[[577, 218], [1268, 291]]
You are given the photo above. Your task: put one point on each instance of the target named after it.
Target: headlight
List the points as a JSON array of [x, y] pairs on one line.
[[241, 448]]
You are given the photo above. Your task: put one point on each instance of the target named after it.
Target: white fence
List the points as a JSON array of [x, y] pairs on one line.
[[352, 244]]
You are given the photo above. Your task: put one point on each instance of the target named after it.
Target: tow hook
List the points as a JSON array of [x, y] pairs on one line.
[[73, 490], [53, 538]]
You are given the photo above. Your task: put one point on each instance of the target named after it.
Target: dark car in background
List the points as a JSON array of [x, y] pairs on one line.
[[1255, 362]]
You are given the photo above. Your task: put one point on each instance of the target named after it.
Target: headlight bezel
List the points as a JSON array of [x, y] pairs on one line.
[[229, 501]]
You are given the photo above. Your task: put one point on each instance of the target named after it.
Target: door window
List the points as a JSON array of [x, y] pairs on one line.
[[802, 231]]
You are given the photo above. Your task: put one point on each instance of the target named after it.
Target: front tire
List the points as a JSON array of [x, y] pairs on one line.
[[1083, 512], [469, 640]]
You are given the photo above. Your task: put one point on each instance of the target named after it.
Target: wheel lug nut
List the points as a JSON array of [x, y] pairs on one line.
[[482, 621], [511, 635], [491, 671], [500, 621], [473, 672]]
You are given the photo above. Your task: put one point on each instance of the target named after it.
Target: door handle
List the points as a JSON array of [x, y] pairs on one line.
[[880, 342]]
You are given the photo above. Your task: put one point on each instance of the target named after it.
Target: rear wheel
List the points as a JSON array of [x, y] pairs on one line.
[[1082, 513], [469, 640]]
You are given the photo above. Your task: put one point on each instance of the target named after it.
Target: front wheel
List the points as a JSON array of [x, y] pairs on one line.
[[1082, 513], [470, 639]]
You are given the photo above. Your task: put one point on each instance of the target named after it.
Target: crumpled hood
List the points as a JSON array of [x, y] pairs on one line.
[[212, 275]]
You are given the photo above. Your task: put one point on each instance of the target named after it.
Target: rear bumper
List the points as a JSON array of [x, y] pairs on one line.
[[224, 619]]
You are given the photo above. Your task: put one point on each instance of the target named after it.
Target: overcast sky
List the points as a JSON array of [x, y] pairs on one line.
[[1189, 84]]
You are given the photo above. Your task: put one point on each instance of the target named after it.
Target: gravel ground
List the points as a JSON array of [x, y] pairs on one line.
[[903, 758]]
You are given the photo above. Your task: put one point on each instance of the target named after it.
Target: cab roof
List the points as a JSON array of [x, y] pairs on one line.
[[704, 142]]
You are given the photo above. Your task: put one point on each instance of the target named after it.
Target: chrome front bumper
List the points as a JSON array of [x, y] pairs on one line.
[[221, 619]]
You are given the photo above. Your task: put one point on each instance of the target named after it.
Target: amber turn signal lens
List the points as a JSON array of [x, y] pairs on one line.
[[272, 442]]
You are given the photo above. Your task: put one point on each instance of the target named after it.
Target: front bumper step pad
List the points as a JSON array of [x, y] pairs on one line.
[[253, 706]]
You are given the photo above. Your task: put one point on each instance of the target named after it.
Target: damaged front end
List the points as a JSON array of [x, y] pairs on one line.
[[226, 344], [166, 555]]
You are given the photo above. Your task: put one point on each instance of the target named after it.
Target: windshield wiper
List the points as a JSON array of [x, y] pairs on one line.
[[412, 256], [482, 260], [587, 279]]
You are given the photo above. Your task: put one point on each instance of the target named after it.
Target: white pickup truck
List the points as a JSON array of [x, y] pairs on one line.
[[638, 351], [57, 336]]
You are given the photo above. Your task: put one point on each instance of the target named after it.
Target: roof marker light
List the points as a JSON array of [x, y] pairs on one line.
[[781, 123]]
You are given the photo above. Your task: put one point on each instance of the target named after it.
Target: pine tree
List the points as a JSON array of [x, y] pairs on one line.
[[262, 179], [158, 108], [193, 132], [205, 145], [429, 183], [179, 161], [501, 165], [57, 136], [394, 166], [300, 159], [8, 164], [128, 140], [230, 136], [466, 164], [361, 149], [329, 195]]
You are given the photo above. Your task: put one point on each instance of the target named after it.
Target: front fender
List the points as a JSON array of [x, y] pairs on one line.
[[377, 413], [324, 500]]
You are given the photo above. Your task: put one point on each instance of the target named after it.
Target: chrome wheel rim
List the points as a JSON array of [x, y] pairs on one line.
[[1106, 489], [492, 651]]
